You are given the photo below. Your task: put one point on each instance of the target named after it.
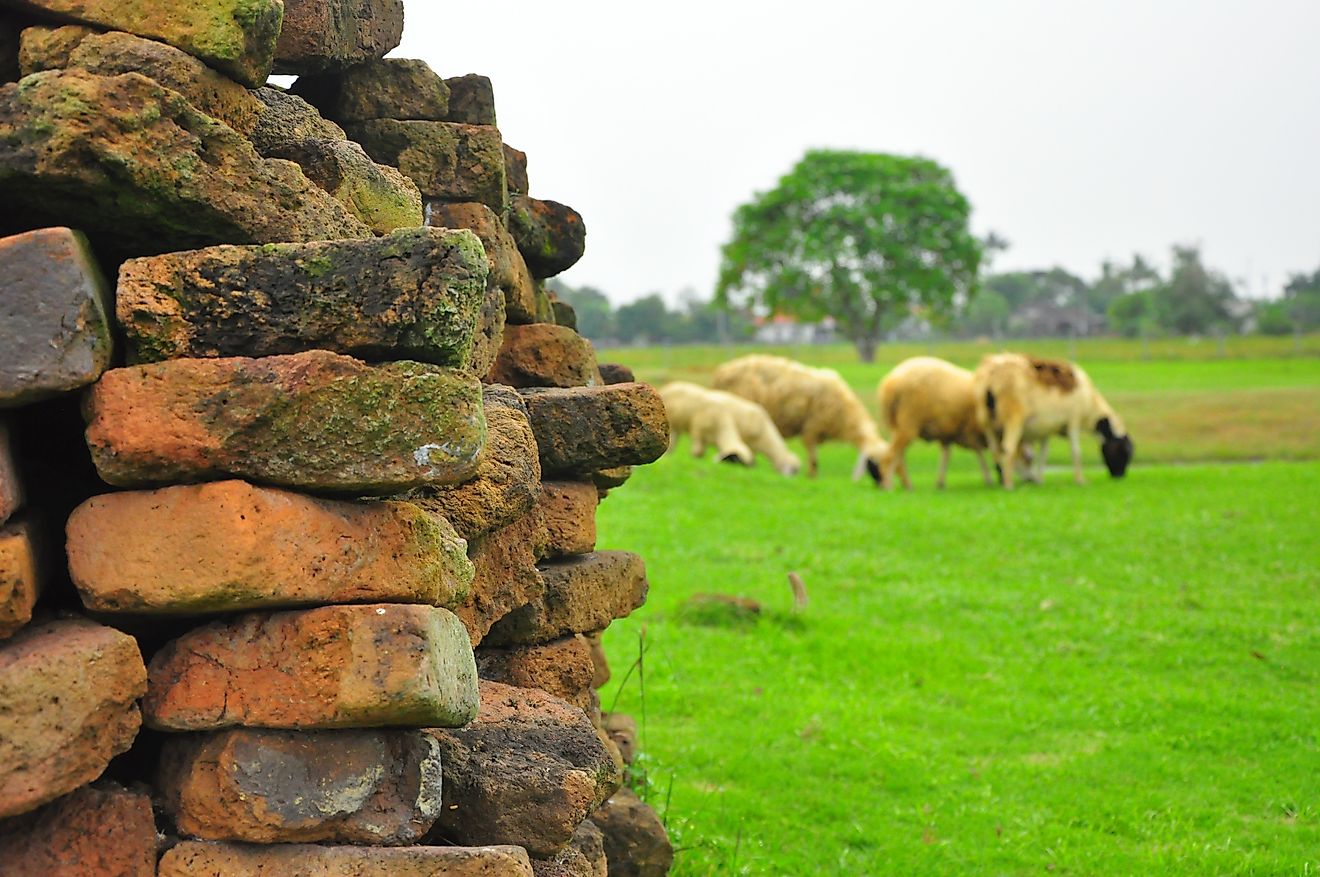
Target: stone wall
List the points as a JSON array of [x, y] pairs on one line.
[[299, 463]]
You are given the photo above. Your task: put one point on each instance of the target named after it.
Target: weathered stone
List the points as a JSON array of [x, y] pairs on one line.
[[506, 577], [569, 508], [562, 668], [508, 480], [545, 305], [471, 100], [380, 665], [215, 95], [608, 479], [391, 88], [54, 331], [145, 172], [515, 169], [551, 236], [68, 704], [48, 48], [231, 546], [489, 334], [237, 37], [379, 195], [544, 355], [565, 314], [584, 429], [11, 489], [527, 771], [508, 272], [636, 844], [583, 857], [97, 831], [414, 294], [622, 731], [446, 160], [320, 35], [367, 787], [598, 658], [315, 420], [288, 119], [614, 373], [20, 579], [197, 859], [582, 594]]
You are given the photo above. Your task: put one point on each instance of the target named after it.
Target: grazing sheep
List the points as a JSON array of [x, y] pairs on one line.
[[736, 427], [1023, 399], [933, 400], [813, 403]]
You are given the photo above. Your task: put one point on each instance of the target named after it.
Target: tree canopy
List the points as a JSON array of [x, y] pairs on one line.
[[866, 238]]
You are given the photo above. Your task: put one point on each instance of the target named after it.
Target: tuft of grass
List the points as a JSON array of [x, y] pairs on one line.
[[1112, 679]]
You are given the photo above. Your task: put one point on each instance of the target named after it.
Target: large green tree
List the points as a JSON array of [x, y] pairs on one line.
[[866, 238]]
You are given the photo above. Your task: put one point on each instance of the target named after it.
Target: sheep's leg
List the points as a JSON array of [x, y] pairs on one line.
[[1075, 441], [944, 465], [985, 470], [812, 466], [894, 461], [1008, 457]]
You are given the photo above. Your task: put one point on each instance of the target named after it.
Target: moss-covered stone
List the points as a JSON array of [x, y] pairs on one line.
[[391, 88], [450, 161], [471, 100], [288, 119], [379, 195], [316, 421], [585, 429], [144, 172], [508, 272], [328, 35], [236, 37], [551, 236], [48, 47]]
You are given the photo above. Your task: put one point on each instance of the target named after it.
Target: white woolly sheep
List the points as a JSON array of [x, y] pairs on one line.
[[736, 427], [1021, 399], [814, 403]]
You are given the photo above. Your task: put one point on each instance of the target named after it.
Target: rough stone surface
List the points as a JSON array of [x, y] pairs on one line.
[[506, 574], [527, 771], [471, 100], [414, 294], [508, 272], [232, 546], [622, 731], [565, 314], [544, 355], [380, 665], [146, 172], [636, 844], [585, 429], [489, 333], [515, 170], [598, 658], [562, 668], [20, 581], [582, 594], [614, 373], [320, 35], [391, 88], [11, 488], [48, 48], [569, 508], [377, 194], [197, 859], [551, 236], [367, 787], [508, 480], [316, 420], [608, 479], [97, 831], [68, 704], [446, 160], [288, 119], [583, 857], [215, 95], [237, 37], [54, 301]]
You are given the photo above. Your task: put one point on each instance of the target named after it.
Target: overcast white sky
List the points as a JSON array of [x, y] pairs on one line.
[[1079, 129]]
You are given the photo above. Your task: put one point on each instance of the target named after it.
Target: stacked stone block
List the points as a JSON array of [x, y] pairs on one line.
[[299, 462]]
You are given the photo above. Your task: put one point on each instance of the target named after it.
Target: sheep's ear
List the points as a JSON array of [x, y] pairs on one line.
[[1106, 429]]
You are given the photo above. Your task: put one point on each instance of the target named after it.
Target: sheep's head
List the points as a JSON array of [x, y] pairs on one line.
[[736, 457], [789, 466], [871, 458], [1116, 449]]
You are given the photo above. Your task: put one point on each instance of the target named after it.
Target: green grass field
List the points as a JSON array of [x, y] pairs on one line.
[[1120, 678]]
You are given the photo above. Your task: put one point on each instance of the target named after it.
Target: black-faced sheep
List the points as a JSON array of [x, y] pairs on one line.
[[1022, 399], [738, 429], [814, 403]]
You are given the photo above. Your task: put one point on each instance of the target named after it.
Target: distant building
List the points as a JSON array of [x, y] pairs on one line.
[[1043, 319], [783, 329]]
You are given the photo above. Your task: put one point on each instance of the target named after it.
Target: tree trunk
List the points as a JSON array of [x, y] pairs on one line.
[[866, 349]]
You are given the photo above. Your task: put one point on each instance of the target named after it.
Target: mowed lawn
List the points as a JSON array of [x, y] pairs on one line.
[[1122, 678]]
